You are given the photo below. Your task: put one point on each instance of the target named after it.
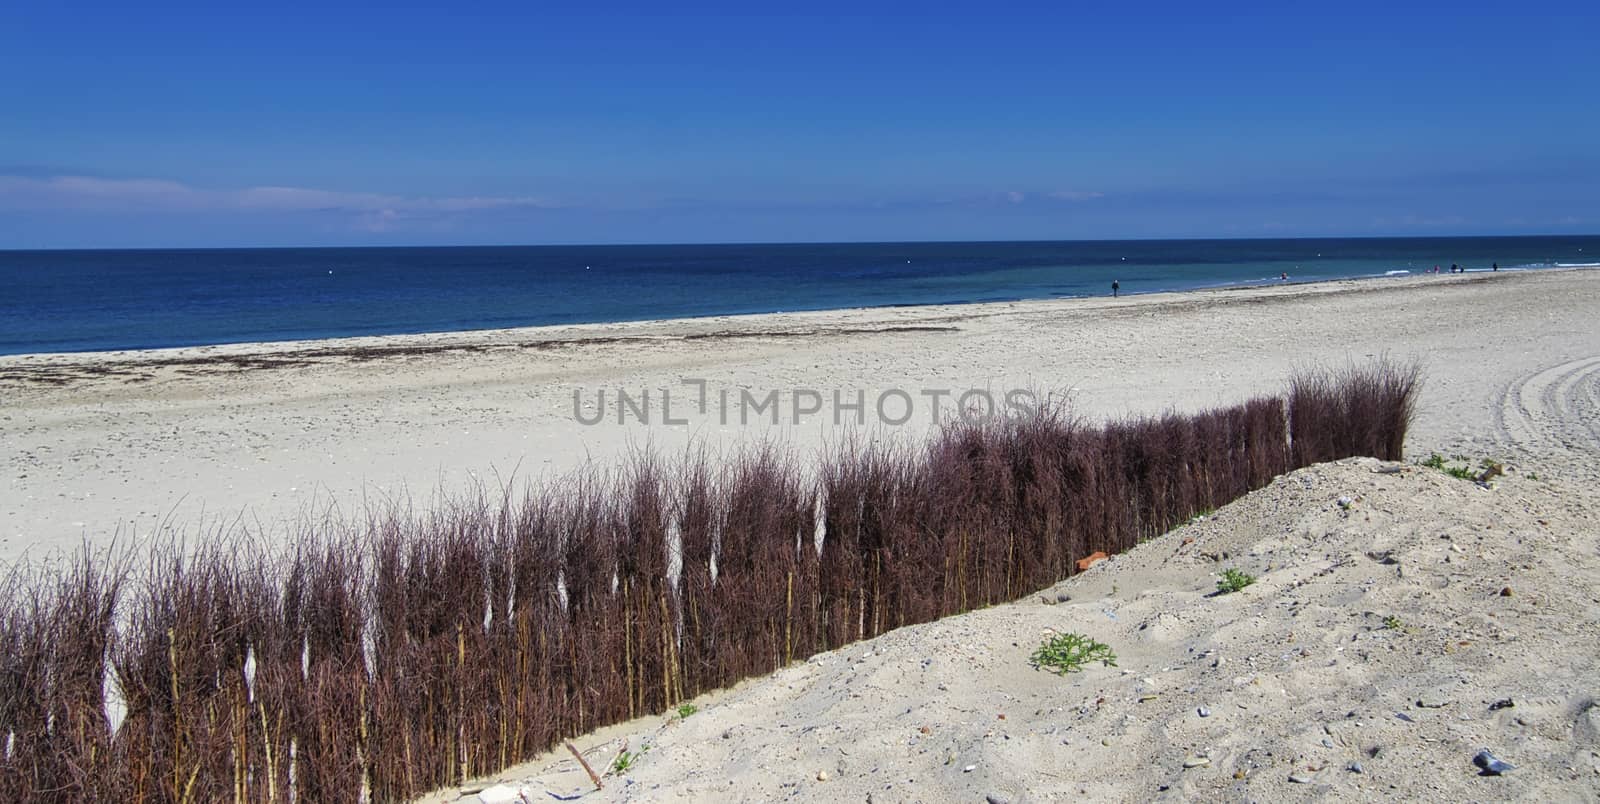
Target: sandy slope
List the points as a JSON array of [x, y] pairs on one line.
[[1299, 677]]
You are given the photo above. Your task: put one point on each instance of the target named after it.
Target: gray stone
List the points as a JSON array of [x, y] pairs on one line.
[[1301, 778], [1586, 724], [501, 794], [1203, 712], [1491, 764]]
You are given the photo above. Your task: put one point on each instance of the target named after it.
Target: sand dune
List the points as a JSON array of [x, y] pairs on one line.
[[1387, 640]]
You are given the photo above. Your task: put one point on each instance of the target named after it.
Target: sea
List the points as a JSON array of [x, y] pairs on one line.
[[74, 301]]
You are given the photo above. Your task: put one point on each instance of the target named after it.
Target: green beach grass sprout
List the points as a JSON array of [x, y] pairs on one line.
[[1393, 623], [1068, 653], [1233, 580], [685, 710], [1437, 461], [627, 759]]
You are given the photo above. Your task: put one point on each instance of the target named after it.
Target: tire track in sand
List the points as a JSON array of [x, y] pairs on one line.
[[1552, 410]]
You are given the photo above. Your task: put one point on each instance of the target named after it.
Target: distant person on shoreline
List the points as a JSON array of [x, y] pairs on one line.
[[1455, 269], [1283, 276], [1115, 286], [1496, 266]]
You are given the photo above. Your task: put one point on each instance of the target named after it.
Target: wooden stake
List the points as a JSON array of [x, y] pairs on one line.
[[177, 716], [627, 643], [666, 652], [788, 621], [594, 777]]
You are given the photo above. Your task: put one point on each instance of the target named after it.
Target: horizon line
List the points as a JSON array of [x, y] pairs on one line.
[[727, 243]]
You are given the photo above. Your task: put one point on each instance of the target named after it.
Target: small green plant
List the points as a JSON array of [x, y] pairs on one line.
[[1068, 653], [627, 759], [1393, 623], [1437, 461], [685, 710], [1533, 475], [1233, 580]]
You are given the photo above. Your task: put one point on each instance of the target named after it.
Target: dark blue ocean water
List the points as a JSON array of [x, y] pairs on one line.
[[53, 301]]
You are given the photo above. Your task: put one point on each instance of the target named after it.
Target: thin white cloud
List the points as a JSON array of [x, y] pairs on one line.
[[1075, 195], [1426, 221], [1027, 198], [160, 195]]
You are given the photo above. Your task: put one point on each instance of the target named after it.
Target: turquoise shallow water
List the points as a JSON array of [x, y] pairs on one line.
[[101, 300]]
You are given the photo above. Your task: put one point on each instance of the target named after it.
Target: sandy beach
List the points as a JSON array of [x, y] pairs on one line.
[[1402, 620], [1407, 631], [191, 440]]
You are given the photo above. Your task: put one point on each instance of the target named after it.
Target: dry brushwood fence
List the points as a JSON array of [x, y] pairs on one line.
[[382, 662]]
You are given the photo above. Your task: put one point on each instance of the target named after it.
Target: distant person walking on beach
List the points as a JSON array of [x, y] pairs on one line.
[[1497, 266], [1115, 286], [1283, 276], [1454, 269]]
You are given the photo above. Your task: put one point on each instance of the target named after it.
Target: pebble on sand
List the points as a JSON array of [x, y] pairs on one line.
[[501, 794], [1491, 764]]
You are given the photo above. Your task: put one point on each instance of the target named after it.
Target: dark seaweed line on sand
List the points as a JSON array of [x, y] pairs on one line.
[[136, 369]]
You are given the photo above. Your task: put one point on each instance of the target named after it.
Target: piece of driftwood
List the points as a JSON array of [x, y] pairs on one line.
[[594, 777]]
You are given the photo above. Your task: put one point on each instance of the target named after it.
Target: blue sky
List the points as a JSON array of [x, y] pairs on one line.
[[134, 124]]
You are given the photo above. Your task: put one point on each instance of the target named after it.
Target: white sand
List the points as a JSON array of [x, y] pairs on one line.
[[262, 432], [1298, 672]]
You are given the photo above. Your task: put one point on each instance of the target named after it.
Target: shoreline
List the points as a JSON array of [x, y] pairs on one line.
[[367, 347]]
